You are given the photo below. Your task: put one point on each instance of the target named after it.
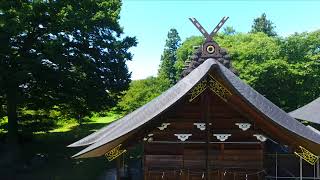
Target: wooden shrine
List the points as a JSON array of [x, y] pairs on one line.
[[210, 125]]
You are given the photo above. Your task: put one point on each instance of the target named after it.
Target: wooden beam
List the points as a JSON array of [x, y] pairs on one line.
[[204, 142]]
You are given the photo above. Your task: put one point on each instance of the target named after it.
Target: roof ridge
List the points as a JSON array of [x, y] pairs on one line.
[[196, 59]]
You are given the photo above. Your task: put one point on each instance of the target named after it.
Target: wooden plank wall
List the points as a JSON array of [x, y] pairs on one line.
[[166, 157]]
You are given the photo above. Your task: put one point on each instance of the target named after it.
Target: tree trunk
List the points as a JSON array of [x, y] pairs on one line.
[[12, 118], [11, 157]]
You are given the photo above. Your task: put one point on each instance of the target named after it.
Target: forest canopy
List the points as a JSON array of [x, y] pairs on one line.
[[286, 70]]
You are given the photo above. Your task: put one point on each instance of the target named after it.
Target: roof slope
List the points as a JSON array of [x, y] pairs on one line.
[[134, 120], [145, 113], [269, 109], [309, 112]]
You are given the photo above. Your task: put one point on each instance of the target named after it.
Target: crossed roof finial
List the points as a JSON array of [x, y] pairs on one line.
[[210, 48]]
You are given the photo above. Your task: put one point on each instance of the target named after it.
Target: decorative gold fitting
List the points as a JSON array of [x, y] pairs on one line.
[[307, 156], [115, 152], [218, 88], [214, 85], [196, 91]]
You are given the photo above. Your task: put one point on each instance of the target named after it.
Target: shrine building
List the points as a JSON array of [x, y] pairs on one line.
[[210, 125]]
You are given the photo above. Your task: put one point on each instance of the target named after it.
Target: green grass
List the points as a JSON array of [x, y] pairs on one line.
[[107, 119], [57, 163], [69, 125]]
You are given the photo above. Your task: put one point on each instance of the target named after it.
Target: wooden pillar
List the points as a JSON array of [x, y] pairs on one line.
[[118, 168], [318, 169], [301, 172], [276, 165], [314, 171], [205, 104], [145, 170], [222, 158]]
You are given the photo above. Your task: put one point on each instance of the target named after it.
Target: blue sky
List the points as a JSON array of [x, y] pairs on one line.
[[150, 21]]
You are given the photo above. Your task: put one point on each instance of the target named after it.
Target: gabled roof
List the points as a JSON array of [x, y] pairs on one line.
[[145, 113], [105, 139], [267, 108], [309, 112]]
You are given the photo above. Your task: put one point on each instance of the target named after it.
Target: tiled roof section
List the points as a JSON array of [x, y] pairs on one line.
[[309, 112]]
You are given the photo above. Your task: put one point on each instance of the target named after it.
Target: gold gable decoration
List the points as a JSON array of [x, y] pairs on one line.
[[115, 152], [196, 91], [214, 85], [219, 89], [307, 156]]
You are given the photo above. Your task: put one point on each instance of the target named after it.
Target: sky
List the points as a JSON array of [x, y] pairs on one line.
[[150, 20]]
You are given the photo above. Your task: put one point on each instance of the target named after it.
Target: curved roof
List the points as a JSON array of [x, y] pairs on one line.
[[145, 113], [309, 112], [267, 108], [116, 131]]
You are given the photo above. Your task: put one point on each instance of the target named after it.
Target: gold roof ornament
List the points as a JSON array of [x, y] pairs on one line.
[[307, 155], [115, 152]]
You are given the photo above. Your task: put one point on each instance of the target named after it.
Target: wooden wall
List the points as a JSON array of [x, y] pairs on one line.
[[166, 157]]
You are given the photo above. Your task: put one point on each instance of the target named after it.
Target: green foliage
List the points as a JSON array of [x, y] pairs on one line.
[[302, 47], [256, 47], [141, 92], [262, 24], [186, 50], [167, 68], [229, 30], [46, 155], [285, 70], [287, 85], [65, 53]]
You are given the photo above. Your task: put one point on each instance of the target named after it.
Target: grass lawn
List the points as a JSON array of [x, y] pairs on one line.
[[45, 155]]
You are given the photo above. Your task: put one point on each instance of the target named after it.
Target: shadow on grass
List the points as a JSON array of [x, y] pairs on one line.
[[46, 157], [33, 123]]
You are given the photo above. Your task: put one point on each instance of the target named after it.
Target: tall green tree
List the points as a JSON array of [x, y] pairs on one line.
[[186, 49], [262, 24], [61, 53], [286, 84], [229, 30], [248, 47], [285, 70], [302, 47], [169, 57], [141, 92]]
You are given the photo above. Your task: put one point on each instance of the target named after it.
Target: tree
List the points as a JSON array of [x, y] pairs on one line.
[[186, 50], [287, 85], [61, 53], [251, 47], [169, 57], [229, 30], [262, 24], [302, 47], [141, 92], [285, 70]]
